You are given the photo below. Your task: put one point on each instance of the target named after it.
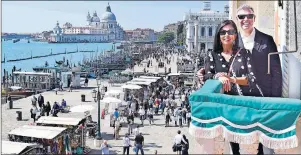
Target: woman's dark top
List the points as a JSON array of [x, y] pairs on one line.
[[185, 146], [241, 67], [47, 107]]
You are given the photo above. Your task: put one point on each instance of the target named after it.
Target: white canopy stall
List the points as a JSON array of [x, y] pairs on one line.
[[41, 132], [131, 86], [111, 103], [150, 77], [113, 93], [147, 83], [174, 74], [127, 72], [143, 80], [59, 120], [9, 147]]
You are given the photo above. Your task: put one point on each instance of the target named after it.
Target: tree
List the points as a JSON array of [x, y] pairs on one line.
[[166, 37]]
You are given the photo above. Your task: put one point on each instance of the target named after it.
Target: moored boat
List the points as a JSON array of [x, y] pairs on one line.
[[17, 91]]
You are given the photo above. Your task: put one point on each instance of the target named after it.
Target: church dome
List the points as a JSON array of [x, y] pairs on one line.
[[95, 18], [108, 15]]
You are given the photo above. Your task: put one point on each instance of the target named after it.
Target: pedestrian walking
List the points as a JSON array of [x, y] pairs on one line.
[[47, 108], [61, 85], [86, 81], [71, 85], [188, 115], [126, 144], [184, 112], [178, 140], [185, 146], [130, 127], [34, 100], [141, 114], [33, 112], [137, 130], [150, 114], [180, 114], [40, 100], [139, 142], [167, 119], [117, 129], [105, 147]]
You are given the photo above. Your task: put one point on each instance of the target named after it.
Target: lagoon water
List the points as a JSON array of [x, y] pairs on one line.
[[23, 49]]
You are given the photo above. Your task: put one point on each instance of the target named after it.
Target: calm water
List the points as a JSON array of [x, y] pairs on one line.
[[23, 49]]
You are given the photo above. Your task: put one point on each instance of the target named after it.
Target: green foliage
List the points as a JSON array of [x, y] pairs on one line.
[[166, 37], [180, 43]]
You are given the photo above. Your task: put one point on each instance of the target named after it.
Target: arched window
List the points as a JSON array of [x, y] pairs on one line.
[[210, 31], [203, 31]]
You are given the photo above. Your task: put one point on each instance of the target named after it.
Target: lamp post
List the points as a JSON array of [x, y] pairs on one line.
[[98, 135]]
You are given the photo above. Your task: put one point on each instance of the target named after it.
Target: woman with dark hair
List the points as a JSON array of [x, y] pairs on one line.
[[231, 65], [185, 147]]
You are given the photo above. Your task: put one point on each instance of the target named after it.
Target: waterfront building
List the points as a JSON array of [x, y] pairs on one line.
[[205, 22], [140, 34], [104, 29]]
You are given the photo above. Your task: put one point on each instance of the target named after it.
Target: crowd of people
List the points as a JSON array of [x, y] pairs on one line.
[[40, 108], [164, 100]]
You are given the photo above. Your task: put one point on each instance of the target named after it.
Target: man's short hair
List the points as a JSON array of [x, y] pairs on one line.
[[245, 7], [179, 132]]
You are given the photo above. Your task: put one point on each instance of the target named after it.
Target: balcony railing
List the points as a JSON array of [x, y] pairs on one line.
[[243, 119]]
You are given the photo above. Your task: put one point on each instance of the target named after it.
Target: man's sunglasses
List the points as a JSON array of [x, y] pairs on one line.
[[230, 32], [249, 16]]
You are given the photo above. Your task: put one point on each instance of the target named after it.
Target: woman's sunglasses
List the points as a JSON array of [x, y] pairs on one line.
[[229, 32], [249, 16]]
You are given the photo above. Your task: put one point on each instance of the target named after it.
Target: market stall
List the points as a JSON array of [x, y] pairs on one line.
[[131, 86], [9, 147], [52, 139], [150, 77], [141, 83], [129, 89], [111, 104], [76, 129], [113, 93]]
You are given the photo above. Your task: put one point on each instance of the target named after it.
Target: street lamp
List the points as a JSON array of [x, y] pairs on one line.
[[94, 95], [98, 135]]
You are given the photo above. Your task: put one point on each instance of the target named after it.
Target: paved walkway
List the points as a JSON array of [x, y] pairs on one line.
[[157, 137]]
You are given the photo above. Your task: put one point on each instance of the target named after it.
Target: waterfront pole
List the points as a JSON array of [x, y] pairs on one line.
[[196, 50], [98, 135]]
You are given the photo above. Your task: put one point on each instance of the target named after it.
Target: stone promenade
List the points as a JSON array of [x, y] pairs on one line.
[[157, 137]]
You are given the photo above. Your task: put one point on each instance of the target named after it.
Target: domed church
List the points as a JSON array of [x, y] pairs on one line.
[[104, 29]]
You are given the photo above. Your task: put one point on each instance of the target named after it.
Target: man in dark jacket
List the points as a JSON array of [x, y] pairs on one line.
[[41, 100], [260, 45]]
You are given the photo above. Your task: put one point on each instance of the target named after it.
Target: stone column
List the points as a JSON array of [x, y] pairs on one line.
[[200, 31], [196, 39]]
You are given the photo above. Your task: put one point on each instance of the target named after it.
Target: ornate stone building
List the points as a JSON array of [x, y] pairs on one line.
[[104, 29], [205, 22]]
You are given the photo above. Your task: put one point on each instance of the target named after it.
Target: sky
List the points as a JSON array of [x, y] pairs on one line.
[[38, 16]]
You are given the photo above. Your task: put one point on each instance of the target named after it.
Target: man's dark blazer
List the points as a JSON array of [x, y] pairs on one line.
[[270, 84]]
